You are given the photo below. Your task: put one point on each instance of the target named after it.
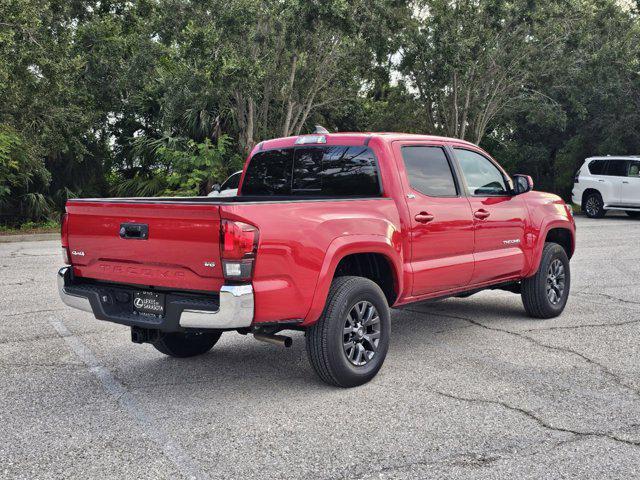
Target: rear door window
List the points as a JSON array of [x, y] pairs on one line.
[[313, 171], [428, 171], [617, 168]]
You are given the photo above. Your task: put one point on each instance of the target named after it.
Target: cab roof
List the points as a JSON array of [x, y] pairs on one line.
[[613, 157], [355, 138]]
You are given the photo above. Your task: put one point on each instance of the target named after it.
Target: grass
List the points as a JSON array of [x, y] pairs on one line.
[[31, 227]]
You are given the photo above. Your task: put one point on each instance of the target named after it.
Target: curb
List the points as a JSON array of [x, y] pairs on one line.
[[34, 237]]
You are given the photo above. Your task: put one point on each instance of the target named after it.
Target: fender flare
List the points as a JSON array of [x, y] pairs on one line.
[[555, 222], [339, 248]]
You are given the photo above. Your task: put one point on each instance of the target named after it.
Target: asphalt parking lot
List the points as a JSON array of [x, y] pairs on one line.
[[471, 388]]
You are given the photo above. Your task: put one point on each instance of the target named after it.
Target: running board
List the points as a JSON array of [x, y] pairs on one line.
[[625, 209]]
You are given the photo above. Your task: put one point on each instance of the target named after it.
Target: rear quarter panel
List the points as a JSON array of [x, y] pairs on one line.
[[295, 245]]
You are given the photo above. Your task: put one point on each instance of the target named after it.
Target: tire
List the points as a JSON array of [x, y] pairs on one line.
[[633, 213], [593, 206], [187, 344], [536, 296], [328, 343]]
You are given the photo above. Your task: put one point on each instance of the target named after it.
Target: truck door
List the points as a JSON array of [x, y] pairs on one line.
[[441, 230], [499, 218]]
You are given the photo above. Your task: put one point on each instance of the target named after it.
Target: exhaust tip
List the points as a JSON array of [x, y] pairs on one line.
[[280, 340]]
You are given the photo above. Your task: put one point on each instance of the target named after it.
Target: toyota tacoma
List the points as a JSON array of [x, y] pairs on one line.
[[327, 233]]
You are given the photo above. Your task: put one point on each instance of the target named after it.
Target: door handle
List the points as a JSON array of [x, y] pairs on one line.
[[481, 214], [424, 217], [601, 180], [624, 181]]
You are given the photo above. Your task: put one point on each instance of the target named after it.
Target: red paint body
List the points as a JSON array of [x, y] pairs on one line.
[[302, 242]]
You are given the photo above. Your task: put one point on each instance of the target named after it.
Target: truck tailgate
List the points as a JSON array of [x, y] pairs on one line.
[[180, 248]]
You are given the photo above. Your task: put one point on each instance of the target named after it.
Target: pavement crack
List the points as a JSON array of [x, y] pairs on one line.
[[540, 421], [47, 310], [21, 282], [34, 338], [587, 325], [603, 368], [605, 295]]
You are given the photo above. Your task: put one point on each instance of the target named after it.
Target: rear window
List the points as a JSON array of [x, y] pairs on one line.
[[313, 171], [597, 167]]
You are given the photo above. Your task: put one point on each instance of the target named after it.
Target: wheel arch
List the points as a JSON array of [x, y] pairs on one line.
[[368, 256], [558, 231]]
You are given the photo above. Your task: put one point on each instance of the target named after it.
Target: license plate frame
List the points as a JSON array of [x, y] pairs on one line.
[[149, 303]]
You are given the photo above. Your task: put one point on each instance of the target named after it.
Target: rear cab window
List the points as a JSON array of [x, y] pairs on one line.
[[315, 171]]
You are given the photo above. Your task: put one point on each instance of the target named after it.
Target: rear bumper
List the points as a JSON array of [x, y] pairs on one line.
[[232, 308]]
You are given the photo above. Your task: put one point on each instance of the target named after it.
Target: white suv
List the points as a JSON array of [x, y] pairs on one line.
[[608, 183]]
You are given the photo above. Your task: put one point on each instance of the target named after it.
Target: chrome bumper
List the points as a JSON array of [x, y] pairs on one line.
[[73, 301], [235, 309]]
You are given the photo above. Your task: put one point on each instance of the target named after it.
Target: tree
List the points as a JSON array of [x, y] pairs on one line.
[[470, 60]]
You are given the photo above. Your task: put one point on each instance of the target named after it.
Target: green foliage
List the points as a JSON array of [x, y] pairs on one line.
[[23, 177], [182, 167], [167, 97]]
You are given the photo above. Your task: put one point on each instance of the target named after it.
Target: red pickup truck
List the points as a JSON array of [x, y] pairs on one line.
[[327, 233]]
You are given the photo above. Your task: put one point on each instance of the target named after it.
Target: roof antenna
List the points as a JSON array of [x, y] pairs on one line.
[[321, 130]]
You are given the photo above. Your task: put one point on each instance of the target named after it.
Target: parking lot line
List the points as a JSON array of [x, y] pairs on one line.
[[176, 454]]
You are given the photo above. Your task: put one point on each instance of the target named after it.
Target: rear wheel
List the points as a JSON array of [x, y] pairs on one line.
[[594, 206], [545, 294], [187, 344], [633, 213], [349, 343]]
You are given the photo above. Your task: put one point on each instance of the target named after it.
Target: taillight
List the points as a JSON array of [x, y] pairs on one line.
[[64, 238], [238, 247]]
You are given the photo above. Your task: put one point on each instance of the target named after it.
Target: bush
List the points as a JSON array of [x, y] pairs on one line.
[[23, 179]]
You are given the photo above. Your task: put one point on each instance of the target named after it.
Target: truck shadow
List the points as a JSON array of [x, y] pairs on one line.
[[240, 367]]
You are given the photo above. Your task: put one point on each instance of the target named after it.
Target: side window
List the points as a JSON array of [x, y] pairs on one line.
[[634, 169], [428, 171], [482, 176], [232, 182], [617, 168], [596, 167]]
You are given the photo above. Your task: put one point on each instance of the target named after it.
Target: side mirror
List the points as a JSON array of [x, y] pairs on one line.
[[522, 184], [215, 188]]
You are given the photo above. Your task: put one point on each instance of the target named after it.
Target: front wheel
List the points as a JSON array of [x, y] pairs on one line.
[[187, 344], [545, 294], [633, 213], [348, 344]]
